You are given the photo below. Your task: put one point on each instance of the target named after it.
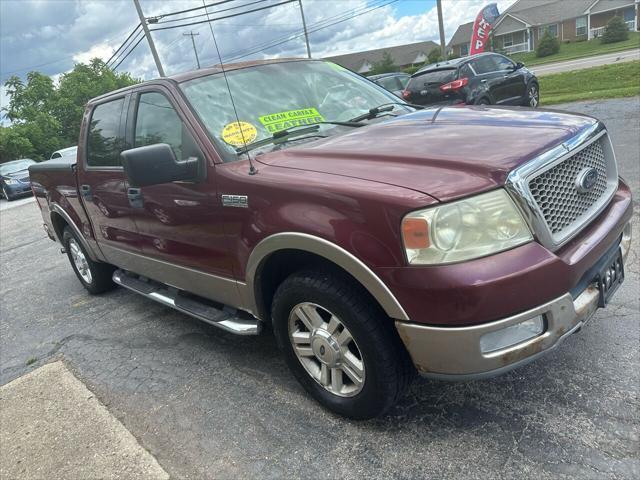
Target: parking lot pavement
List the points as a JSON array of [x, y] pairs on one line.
[[4, 205], [209, 404]]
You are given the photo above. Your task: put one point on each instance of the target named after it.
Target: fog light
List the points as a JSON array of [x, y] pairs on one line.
[[512, 335]]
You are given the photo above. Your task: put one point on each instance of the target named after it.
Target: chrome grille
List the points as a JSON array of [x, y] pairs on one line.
[[555, 190]]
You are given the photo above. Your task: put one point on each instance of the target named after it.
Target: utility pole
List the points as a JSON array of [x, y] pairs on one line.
[[193, 42], [145, 27], [304, 25], [443, 47]]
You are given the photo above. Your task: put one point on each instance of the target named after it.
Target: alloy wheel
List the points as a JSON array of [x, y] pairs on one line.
[[80, 261], [533, 96], [326, 349]]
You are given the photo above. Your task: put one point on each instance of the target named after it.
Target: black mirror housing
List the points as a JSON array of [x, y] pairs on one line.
[[519, 65], [156, 164]]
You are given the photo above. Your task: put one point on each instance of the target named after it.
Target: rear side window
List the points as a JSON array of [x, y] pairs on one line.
[[158, 122], [484, 65], [466, 71], [104, 145], [433, 77]]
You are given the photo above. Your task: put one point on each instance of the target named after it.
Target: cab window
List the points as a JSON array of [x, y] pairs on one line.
[[158, 122], [104, 142]]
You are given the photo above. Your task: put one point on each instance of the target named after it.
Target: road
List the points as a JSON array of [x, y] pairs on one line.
[[587, 62], [208, 404]]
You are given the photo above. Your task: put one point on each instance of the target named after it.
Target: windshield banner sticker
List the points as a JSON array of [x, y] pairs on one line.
[[276, 122], [239, 133]]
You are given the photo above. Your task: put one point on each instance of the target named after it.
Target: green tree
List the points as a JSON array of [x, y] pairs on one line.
[[13, 144], [385, 65], [434, 56], [615, 31], [48, 116], [548, 45]]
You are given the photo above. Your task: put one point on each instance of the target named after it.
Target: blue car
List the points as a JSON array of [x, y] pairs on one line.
[[14, 178]]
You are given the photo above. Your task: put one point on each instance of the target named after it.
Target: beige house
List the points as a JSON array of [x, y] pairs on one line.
[[520, 26], [403, 56]]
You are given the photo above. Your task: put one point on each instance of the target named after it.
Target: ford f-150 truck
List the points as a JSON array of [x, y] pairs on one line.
[[378, 239]]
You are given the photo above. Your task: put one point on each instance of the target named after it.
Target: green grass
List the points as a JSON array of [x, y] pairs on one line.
[[569, 51], [607, 81]]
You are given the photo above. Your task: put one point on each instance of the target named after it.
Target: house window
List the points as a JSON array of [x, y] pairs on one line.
[[507, 40], [552, 29], [581, 26], [629, 15], [464, 49]]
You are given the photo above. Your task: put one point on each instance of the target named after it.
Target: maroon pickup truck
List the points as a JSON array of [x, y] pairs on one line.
[[376, 238]]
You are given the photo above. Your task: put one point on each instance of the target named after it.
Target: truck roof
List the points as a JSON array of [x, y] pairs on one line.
[[203, 72]]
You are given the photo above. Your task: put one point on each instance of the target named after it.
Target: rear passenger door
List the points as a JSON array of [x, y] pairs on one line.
[[101, 179]]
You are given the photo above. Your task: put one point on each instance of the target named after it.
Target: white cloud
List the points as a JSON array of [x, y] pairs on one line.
[[101, 50]]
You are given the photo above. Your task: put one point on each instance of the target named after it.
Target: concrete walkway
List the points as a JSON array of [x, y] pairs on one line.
[[51, 426], [587, 62]]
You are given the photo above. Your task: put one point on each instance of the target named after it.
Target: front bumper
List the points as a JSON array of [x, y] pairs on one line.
[[455, 353]]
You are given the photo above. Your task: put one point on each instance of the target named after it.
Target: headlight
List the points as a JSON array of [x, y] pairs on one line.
[[10, 181], [462, 230]]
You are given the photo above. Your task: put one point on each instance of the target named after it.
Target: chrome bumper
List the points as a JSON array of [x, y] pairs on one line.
[[455, 353]]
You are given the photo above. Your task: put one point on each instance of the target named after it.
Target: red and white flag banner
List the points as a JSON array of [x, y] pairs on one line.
[[482, 26]]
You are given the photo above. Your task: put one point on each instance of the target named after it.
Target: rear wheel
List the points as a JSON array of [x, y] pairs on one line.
[[342, 349], [483, 101], [94, 276]]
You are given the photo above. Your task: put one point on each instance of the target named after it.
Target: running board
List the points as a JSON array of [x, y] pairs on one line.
[[224, 317]]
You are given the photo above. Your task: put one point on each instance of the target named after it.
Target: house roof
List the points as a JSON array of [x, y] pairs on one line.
[[462, 35], [543, 12], [401, 54]]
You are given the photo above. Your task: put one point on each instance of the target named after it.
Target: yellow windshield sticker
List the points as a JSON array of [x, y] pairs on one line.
[[275, 122], [239, 133]]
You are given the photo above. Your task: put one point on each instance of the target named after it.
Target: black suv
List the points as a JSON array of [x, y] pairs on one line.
[[482, 79]]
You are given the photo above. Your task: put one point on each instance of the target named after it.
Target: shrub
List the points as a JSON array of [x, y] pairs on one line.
[[548, 45], [434, 56], [452, 56], [615, 31], [385, 65], [411, 70]]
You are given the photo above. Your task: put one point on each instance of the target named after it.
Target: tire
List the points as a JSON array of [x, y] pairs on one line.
[[532, 95], [94, 276], [375, 351], [483, 101]]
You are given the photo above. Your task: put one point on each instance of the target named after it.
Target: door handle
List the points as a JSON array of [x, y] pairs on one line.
[[484, 80], [85, 192], [136, 199]]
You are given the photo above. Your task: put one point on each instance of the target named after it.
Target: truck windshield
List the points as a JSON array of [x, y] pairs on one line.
[[274, 97]]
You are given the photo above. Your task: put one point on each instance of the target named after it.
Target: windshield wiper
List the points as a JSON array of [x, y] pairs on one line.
[[283, 136], [385, 107]]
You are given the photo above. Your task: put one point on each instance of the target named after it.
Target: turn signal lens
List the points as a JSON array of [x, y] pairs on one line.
[[415, 232], [406, 94]]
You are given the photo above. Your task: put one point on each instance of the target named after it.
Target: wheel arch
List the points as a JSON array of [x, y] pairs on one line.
[[61, 219], [279, 255]]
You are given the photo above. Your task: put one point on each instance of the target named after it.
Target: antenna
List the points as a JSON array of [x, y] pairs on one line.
[[252, 169]]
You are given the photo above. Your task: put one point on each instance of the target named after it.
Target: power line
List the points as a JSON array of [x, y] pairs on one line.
[[217, 11], [116, 58], [326, 23], [195, 8], [285, 2], [129, 52], [123, 43]]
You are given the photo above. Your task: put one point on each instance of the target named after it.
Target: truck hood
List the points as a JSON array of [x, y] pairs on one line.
[[446, 153]]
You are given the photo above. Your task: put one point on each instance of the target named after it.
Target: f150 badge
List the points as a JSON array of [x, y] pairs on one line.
[[239, 201]]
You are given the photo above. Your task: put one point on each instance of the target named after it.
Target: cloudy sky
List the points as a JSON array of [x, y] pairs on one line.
[[51, 35]]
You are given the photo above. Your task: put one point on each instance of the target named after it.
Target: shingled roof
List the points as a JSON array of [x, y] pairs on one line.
[[462, 35], [401, 54], [543, 12]]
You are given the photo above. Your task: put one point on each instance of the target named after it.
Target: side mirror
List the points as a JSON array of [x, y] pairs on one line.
[[156, 164], [519, 65]]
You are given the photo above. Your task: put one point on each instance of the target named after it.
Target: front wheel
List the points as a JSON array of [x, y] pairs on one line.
[[532, 98], [96, 277], [342, 349]]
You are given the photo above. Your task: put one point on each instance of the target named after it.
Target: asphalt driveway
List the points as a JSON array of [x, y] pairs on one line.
[[209, 404]]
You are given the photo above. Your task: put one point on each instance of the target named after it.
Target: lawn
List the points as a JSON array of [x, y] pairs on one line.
[[607, 81], [569, 51]]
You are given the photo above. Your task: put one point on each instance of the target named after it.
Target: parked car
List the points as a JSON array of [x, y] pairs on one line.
[[482, 79], [65, 152], [394, 82], [377, 239], [14, 178]]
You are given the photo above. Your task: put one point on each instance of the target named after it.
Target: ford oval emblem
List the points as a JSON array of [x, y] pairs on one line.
[[586, 179]]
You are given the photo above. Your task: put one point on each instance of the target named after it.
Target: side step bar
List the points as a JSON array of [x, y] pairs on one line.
[[224, 317]]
